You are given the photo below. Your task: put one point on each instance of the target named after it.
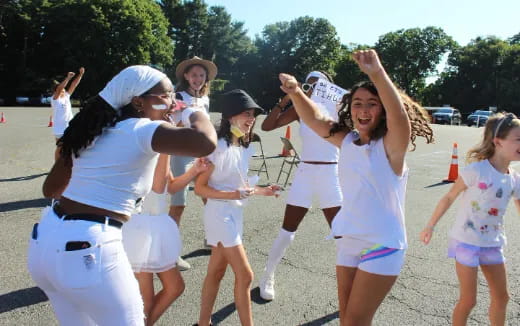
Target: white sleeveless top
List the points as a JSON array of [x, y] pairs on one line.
[[315, 147], [156, 204], [373, 196], [62, 113]]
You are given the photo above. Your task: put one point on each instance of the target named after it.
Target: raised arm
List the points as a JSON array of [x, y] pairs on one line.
[[276, 118], [197, 141], [62, 85], [308, 112], [397, 137], [76, 81]]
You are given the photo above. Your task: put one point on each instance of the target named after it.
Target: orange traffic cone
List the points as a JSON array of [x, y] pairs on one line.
[[2, 119], [454, 166], [288, 136], [50, 122]]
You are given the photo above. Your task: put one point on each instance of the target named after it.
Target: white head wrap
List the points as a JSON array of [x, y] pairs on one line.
[[131, 81], [316, 74]]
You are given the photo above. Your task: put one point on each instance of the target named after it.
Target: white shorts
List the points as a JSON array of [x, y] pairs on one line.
[[320, 180], [223, 222], [152, 243], [368, 257]]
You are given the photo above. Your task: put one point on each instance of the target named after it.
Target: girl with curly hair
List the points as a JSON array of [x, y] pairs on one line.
[[373, 134]]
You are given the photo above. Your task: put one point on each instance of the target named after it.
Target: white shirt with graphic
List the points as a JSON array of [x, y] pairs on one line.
[[479, 220]]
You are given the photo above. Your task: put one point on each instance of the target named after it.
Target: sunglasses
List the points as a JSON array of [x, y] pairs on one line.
[[307, 87]]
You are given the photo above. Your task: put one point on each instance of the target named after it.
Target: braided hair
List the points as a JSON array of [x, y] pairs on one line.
[[88, 123]]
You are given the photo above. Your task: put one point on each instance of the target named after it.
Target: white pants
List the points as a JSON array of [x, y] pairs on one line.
[[92, 286], [315, 180]]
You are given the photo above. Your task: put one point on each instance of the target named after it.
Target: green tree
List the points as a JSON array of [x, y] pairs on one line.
[[347, 72], [295, 47], [484, 73], [104, 36], [411, 55]]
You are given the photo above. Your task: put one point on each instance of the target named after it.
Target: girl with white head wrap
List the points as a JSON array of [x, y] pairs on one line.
[[108, 155]]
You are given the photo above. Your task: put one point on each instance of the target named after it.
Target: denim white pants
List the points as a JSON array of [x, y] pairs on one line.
[[92, 286]]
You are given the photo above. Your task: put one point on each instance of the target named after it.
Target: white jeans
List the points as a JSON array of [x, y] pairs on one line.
[[92, 286]]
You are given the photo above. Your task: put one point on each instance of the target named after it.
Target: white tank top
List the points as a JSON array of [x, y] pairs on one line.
[[315, 147], [156, 204], [373, 196]]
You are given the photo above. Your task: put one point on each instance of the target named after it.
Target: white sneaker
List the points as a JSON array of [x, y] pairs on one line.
[[182, 265], [266, 286]]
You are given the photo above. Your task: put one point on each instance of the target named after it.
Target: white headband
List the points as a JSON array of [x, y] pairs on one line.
[[316, 74], [131, 81]]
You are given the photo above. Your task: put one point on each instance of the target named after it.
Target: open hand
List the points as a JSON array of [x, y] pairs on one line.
[[368, 61], [70, 74], [289, 83]]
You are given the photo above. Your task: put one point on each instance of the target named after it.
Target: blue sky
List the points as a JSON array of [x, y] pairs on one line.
[[363, 22]]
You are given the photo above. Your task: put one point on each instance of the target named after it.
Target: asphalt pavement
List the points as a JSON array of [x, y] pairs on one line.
[[424, 294]]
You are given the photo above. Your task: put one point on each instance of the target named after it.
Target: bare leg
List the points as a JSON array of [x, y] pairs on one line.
[[468, 293], [216, 269], [497, 282], [366, 294], [173, 286], [345, 278], [330, 213], [293, 217], [176, 213], [236, 257], [145, 281]]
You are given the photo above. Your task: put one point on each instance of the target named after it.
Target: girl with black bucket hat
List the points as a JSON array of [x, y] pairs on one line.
[[227, 188]]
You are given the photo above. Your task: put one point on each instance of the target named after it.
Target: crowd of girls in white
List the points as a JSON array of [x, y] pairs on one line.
[[94, 253]]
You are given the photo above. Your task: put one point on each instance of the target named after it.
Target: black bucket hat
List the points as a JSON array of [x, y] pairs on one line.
[[236, 102]]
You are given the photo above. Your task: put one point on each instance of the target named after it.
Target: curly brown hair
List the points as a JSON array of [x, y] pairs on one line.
[[418, 116]]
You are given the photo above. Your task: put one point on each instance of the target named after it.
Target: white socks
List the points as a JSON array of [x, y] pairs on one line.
[[280, 244]]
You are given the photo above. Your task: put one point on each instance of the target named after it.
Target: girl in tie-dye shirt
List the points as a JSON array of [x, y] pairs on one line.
[[477, 238]]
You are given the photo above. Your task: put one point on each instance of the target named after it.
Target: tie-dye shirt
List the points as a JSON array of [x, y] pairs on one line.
[[479, 220]]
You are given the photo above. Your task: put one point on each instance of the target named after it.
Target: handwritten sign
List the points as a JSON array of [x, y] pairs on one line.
[[327, 93]]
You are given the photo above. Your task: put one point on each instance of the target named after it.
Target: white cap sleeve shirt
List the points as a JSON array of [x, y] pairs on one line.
[[231, 166], [479, 219], [116, 171], [61, 114], [373, 195]]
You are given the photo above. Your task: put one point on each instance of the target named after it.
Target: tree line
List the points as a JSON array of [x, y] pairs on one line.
[[40, 40]]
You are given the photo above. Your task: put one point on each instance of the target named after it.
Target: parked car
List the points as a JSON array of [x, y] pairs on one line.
[[447, 116], [478, 118], [22, 100]]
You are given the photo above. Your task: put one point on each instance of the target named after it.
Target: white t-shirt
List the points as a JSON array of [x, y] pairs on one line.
[[479, 220], [61, 114], [194, 104], [231, 165], [373, 195], [116, 171], [314, 147]]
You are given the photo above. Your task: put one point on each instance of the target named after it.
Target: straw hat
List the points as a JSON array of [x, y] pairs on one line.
[[210, 67]]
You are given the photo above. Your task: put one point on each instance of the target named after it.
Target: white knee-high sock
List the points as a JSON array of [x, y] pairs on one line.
[[280, 244]]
